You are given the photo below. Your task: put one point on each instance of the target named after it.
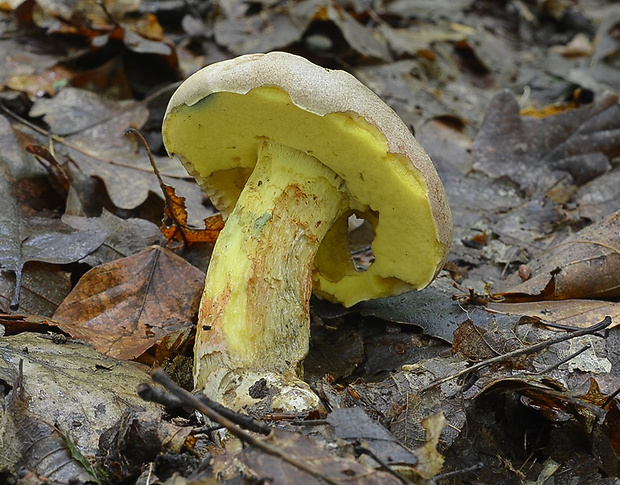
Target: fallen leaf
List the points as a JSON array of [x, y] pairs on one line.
[[433, 309], [125, 307], [79, 390], [94, 138], [354, 425], [36, 445], [124, 236], [24, 239], [43, 287], [585, 265], [538, 153], [361, 38], [322, 463], [240, 31], [476, 343], [572, 313], [430, 461], [137, 438], [74, 110], [175, 227], [599, 197]]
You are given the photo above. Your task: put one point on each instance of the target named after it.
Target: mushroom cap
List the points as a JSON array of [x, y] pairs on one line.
[[219, 117]]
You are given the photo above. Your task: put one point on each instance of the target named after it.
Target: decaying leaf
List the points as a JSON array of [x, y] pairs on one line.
[[137, 438], [321, 462], [475, 343], [585, 265], [538, 153], [78, 390], [243, 32], [403, 402], [433, 309], [240, 31], [43, 287], [175, 227], [572, 313], [124, 236], [29, 442], [98, 145], [125, 307], [598, 415], [430, 461], [24, 239], [353, 424]]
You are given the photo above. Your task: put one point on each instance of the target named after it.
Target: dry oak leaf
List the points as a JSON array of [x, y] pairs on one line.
[[125, 307], [538, 153], [585, 265]]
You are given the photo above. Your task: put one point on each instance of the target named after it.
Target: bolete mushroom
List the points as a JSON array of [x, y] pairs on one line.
[[287, 151]]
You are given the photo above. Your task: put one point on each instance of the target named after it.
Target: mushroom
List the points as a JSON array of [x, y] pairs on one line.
[[287, 151]]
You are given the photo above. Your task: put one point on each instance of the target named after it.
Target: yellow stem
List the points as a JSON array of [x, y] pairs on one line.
[[254, 314]]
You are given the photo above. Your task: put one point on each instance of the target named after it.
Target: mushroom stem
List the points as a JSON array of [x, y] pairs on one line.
[[254, 314]]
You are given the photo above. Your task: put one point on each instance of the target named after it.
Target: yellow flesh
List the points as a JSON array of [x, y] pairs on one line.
[[255, 308], [226, 130]]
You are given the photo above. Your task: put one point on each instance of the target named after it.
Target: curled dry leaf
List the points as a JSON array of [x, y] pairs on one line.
[[126, 307], [175, 227]]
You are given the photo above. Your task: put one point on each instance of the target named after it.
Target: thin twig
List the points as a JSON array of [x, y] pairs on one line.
[[610, 398], [564, 361], [455, 473], [189, 399], [603, 324], [170, 213], [365, 451]]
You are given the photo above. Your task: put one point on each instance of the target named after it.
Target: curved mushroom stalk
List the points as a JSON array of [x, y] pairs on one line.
[[254, 323]]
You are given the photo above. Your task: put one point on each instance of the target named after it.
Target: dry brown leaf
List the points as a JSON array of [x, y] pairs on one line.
[[586, 265], [36, 238], [326, 464], [573, 313], [476, 343], [125, 307]]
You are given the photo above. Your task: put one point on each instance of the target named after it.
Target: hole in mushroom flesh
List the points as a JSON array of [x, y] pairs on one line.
[[360, 237]]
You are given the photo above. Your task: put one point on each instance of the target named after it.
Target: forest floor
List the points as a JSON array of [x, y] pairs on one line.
[[506, 369]]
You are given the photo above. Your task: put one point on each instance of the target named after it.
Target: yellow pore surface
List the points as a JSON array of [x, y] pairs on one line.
[[218, 140]]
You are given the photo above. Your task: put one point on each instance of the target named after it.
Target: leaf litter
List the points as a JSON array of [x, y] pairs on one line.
[[536, 192]]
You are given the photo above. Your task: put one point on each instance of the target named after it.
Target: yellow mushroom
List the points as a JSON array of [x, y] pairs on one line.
[[287, 151]]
